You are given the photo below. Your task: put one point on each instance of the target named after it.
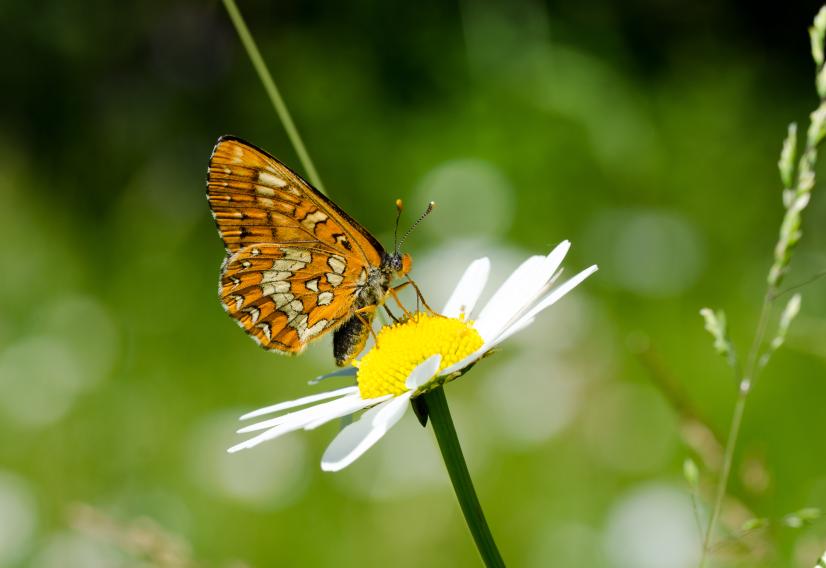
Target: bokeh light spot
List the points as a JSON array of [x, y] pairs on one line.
[[652, 527], [86, 327], [40, 377], [18, 517], [267, 478], [473, 198], [72, 550], [530, 400], [651, 253]]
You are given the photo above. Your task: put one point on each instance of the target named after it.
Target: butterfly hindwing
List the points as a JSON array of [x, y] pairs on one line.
[[285, 297]]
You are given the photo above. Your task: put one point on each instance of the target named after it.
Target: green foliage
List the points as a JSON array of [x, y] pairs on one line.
[[691, 474], [715, 324], [801, 518], [788, 155], [786, 317], [796, 199]]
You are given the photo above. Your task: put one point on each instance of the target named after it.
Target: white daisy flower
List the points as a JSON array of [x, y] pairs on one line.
[[417, 355]]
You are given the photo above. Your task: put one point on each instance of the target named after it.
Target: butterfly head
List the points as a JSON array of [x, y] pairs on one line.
[[399, 264]]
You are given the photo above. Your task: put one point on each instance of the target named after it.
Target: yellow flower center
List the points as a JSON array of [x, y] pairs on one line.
[[401, 347]]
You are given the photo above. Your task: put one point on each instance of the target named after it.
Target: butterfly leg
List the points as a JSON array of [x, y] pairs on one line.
[[391, 314], [419, 296], [367, 320], [394, 292]]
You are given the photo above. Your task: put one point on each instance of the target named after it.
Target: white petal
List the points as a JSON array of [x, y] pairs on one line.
[[345, 372], [423, 372], [510, 295], [515, 328], [302, 416], [274, 432], [519, 291], [551, 298], [299, 402], [344, 409], [467, 291], [360, 436], [268, 435]]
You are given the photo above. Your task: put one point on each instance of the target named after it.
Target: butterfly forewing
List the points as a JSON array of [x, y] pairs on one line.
[[295, 260]]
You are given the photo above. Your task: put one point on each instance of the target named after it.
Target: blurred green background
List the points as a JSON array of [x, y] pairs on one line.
[[646, 132]]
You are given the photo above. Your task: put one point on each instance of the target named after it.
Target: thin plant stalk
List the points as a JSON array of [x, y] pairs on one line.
[[736, 422], [442, 422], [796, 196], [273, 93]]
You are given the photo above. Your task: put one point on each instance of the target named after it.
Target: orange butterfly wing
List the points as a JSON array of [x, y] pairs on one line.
[[295, 260]]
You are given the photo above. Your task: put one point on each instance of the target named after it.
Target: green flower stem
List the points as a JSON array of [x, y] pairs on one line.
[[460, 478], [272, 91]]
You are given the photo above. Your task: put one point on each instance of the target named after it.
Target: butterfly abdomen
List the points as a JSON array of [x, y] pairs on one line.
[[349, 339]]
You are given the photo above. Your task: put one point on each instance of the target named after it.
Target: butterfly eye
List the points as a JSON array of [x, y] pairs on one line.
[[399, 264]]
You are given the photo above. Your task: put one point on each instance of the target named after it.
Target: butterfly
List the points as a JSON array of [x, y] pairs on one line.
[[297, 266]]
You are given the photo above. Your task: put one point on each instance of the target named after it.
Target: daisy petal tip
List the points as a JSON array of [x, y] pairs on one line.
[[556, 256], [299, 402], [481, 268], [467, 291], [562, 248], [346, 372], [332, 467]]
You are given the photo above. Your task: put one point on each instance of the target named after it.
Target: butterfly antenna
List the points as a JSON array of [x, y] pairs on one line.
[[396, 228], [427, 211]]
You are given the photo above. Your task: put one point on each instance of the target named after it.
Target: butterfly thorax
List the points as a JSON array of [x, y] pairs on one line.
[[375, 287], [378, 280]]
